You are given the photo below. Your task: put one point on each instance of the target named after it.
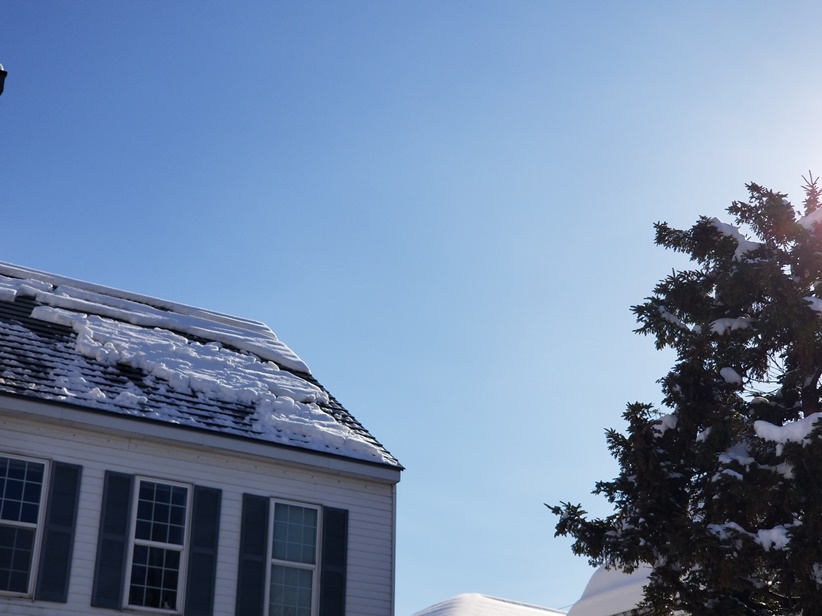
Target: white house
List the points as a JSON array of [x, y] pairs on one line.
[[161, 459]]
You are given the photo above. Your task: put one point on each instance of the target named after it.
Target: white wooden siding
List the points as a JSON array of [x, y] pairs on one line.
[[370, 504]]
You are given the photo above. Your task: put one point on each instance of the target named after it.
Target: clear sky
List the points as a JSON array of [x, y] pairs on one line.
[[444, 207]]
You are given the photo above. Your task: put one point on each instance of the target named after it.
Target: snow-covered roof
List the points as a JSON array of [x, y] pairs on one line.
[[473, 604], [610, 592], [89, 346]]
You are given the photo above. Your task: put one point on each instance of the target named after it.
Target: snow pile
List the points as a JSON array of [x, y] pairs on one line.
[[723, 326], [738, 454], [731, 376], [743, 244], [671, 318], [815, 303], [10, 288], [209, 368], [665, 423], [795, 432], [776, 538], [246, 336]]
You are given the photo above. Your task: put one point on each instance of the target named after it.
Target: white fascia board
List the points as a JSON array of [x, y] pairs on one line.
[[138, 427]]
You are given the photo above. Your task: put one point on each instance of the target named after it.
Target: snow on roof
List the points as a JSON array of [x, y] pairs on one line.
[[78, 296], [610, 591], [473, 604], [91, 346]]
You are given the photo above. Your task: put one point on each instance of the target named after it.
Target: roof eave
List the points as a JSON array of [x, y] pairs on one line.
[[129, 425]]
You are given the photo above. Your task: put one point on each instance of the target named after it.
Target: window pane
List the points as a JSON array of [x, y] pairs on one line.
[[17, 469], [21, 483], [295, 533], [11, 510], [28, 512], [145, 505], [15, 558], [14, 489], [290, 591], [34, 472], [32, 492]]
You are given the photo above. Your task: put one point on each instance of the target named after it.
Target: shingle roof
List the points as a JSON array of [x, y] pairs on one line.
[[76, 343]]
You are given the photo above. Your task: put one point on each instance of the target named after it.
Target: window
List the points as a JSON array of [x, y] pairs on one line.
[[156, 538], [21, 492], [159, 544], [293, 570], [293, 559]]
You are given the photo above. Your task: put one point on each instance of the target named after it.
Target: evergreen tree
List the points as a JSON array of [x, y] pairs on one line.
[[722, 494]]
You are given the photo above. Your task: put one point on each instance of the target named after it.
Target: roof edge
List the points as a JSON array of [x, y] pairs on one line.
[[97, 420]]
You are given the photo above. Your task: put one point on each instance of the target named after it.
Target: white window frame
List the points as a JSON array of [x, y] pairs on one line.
[[38, 526], [183, 550], [271, 561]]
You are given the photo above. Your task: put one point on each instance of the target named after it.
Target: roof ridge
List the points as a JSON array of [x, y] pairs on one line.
[[56, 280], [65, 300], [522, 603]]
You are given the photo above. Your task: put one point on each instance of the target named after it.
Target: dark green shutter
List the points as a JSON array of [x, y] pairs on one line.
[[112, 541], [334, 562], [58, 536], [202, 555], [253, 547]]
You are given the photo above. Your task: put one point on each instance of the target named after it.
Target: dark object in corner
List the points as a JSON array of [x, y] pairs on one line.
[[3, 73]]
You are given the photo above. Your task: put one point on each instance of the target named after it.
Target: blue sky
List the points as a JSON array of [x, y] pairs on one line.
[[444, 207]]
